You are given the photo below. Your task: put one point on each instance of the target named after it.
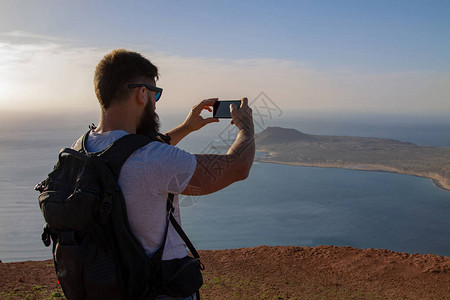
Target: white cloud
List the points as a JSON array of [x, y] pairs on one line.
[[295, 87], [46, 76], [28, 35], [54, 76]]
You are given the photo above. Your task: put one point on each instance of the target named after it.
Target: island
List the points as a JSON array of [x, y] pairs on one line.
[[290, 146]]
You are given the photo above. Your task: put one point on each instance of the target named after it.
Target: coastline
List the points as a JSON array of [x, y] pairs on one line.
[[438, 184], [379, 168]]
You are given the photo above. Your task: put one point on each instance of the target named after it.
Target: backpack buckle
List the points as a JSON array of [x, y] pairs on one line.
[[201, 265]]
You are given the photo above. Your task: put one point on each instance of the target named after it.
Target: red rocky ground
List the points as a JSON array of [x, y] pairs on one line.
[[323, 272]]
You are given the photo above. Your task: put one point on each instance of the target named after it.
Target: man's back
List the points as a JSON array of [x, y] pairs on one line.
[[146, 178]]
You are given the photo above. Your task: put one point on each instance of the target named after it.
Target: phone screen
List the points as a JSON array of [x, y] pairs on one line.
[[221, 109]]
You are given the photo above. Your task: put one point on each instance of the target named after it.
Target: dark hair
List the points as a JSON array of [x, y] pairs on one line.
[[116, 70]]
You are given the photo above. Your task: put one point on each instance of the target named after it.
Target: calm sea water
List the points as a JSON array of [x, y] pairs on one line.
[[290, 205], [276, 205]]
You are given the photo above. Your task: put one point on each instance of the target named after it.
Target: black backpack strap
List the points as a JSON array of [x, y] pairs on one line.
[[178, 228], [79, 144], [184, 236], [118, 152]]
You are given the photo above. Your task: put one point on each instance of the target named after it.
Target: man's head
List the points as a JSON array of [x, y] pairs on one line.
[[115, 72], [118, 69]]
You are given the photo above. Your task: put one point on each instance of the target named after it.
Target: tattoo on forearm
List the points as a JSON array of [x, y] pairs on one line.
[[214, 165]]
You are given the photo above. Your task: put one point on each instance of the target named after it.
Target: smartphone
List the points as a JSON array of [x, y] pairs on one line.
[[221, 109]]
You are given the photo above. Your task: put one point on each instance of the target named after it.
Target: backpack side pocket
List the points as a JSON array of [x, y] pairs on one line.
[[86, 270], [69, 269]]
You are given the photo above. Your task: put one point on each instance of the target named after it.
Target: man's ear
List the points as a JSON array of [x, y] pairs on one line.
[[141, 97]]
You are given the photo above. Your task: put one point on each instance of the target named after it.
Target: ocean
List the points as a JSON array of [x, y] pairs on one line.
[[276, 205]]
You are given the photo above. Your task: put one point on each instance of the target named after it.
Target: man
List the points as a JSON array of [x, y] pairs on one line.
[[125, 85]]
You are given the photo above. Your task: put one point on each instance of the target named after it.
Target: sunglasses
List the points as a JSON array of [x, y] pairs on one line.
[[148, 86]]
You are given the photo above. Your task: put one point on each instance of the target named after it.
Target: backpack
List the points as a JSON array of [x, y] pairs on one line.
[[95, 253]]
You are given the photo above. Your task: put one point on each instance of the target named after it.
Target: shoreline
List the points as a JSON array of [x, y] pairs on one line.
[[438, 184], [385, 169]]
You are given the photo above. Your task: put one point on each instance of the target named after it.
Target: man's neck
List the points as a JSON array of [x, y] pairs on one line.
[[116, 118]]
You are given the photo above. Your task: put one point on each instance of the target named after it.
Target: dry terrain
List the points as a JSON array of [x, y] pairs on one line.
[[289, 146], [323, 272]]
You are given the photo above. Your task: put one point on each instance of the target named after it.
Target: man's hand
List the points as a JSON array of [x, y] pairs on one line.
[[242, 117], [194, 121]]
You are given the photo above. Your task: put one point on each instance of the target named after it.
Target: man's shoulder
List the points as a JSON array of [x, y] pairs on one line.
[[99, 141], [164, 157], [159, 148]]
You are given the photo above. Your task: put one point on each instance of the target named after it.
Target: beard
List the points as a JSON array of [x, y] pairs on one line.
[[149, 123]]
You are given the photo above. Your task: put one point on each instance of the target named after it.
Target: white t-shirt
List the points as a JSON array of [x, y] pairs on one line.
[[146, 178]]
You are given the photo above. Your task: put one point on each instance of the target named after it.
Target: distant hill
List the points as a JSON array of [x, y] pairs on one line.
[[278, 135], [290, 146]]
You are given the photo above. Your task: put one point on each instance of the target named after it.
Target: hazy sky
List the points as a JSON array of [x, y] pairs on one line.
[[354, 56]]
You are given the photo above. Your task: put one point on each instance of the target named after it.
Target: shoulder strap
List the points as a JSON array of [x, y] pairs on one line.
[[118, 152], [184, 236], [178, 228]]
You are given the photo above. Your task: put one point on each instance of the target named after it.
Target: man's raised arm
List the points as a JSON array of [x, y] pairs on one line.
[[213, 171]]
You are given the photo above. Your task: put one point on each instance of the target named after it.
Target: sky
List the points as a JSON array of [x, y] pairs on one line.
[[385, 57]]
